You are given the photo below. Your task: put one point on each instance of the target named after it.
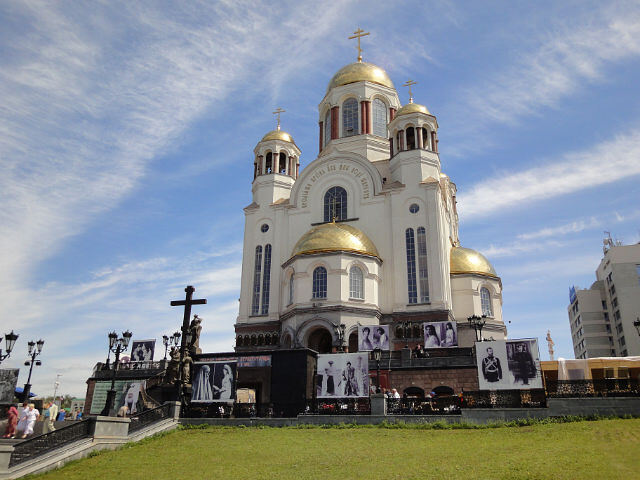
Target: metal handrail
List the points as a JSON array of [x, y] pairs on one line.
[[148, 417]]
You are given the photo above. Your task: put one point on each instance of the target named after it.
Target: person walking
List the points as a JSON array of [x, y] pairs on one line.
[[12, 421], [52, 411]]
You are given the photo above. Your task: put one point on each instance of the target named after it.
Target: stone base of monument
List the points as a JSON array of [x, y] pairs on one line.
[[378, 404]]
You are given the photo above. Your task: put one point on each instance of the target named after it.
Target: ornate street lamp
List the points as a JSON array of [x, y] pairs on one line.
[[340, 332], [10, 340], [35, 348], [172, 341], [377, 355], [477, 323], [117, 346]]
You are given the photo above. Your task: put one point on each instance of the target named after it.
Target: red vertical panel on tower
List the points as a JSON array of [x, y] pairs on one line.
[[320, 125], [368, 112], [392, 114], [334, 122], [363, 117]]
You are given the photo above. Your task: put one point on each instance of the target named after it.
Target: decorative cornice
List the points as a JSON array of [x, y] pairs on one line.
[[330, 308]]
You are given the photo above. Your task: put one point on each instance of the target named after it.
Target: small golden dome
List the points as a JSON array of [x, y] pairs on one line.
[[335, 237], [412, 108], [466, 260], [278, 135], [359, 72]]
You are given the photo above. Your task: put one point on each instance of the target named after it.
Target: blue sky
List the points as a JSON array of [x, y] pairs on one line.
[[127, 131]]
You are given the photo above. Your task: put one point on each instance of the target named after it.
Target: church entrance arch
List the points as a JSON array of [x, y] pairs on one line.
[[353, 342], [320, 340]]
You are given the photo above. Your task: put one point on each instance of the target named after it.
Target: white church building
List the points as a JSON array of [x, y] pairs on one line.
[[366, 234]]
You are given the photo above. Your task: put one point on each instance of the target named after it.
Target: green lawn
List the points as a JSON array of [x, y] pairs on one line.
[[605, 449]]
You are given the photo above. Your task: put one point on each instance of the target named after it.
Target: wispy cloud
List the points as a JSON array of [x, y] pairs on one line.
[[572, 227], [571, 173]]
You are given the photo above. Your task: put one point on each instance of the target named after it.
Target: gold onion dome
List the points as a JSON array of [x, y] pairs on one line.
[[360, 72], [278, 135], [466, 260], [335, 237], [412, 108]]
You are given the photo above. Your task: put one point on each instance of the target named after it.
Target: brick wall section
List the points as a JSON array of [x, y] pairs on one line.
[[428, 379]]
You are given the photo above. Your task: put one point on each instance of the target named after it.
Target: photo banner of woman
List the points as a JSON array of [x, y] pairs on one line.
[[342, 375], [142, 350], [440, 334], [373, 336], [214, 382]]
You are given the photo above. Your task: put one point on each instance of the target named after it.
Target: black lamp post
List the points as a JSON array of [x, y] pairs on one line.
[[10, 339], [172, 341], [340, 332], [377, 355], [117, 346], [34, 350], [477, 323], [406, 329]]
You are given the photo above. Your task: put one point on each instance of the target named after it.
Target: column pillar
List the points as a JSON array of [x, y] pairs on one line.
[[334, 122], [400, 140], [405, 145], [392, 114], [363, 117], [418, 133], [433, 141], [368, 111], [290, 167], [297, 168], [260, 165], [391, 147], [321, 129]]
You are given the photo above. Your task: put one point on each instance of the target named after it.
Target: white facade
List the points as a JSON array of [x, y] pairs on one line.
[[400, 217]]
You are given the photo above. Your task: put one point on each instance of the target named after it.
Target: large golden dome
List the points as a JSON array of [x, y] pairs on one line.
[[466, 260], [335, 237], [412, 108], [278, 135], [359, 72]]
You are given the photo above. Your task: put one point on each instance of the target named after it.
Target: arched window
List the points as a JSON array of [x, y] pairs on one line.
[[239, 341], [291, 291], [327, 127], [335, 204], [411, 138], [355, 283], [266, 279], [411, 265], [425, 138], [255, 304], [423, 275], [320, 282], [350, 117], [485, 300], [379, 118], [282, 167]]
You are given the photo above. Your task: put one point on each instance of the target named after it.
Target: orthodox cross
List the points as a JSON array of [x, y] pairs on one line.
[[187, 302], [278, 112], [409, 83], [359, 33]]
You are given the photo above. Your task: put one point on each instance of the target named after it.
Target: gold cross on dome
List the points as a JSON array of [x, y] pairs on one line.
[[409, 83], [359, 33], [278, 112]]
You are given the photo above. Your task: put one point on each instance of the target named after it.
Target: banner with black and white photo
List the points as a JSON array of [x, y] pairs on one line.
[[8, 382], [440, 334], [373, 336], [131, 395], [341, 375], [508, 364], [142, 350], [214, 381]]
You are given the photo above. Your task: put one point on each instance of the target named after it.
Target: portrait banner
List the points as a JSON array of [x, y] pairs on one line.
[[342, 375], [373, 336], [440, 334], [491, 359], [523, 359], [8, 382], [142, 350], [214, 381], [132, 396]]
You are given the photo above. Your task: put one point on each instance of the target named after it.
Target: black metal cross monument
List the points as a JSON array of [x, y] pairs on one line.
[[187, 302]]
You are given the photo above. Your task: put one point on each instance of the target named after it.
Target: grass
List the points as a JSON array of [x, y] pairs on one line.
[[576, 450]]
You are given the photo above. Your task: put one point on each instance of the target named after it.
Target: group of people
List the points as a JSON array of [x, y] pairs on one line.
[[21, 420], [351, 381]]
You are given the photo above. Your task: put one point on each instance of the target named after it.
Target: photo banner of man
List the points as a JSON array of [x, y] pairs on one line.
[[491, 359], [8, 382], [523, 359], [214, 382], [373, 336], [342, 375], [142, 350], [440, 334]]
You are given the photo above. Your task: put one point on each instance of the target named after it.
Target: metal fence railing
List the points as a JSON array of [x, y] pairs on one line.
[[604, 387], [534, 398], [47, 442], [141, 420], [353, 406], [424, 406]]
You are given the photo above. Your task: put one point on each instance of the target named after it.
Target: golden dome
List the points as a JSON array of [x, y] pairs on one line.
[[359, 72], [278, 135], [466, 260], [335, 237], [412, 108]]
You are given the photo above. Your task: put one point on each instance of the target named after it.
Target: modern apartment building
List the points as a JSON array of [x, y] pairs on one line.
[[602, 317]]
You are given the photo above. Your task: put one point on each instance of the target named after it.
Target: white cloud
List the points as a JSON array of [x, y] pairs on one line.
[[572, 227], [604, 163]]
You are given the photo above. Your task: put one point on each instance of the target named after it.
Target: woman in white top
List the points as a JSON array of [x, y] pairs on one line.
[[30, 416]]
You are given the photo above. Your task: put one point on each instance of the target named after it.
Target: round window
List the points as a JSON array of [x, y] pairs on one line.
[[414, 207], [264, 228]]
